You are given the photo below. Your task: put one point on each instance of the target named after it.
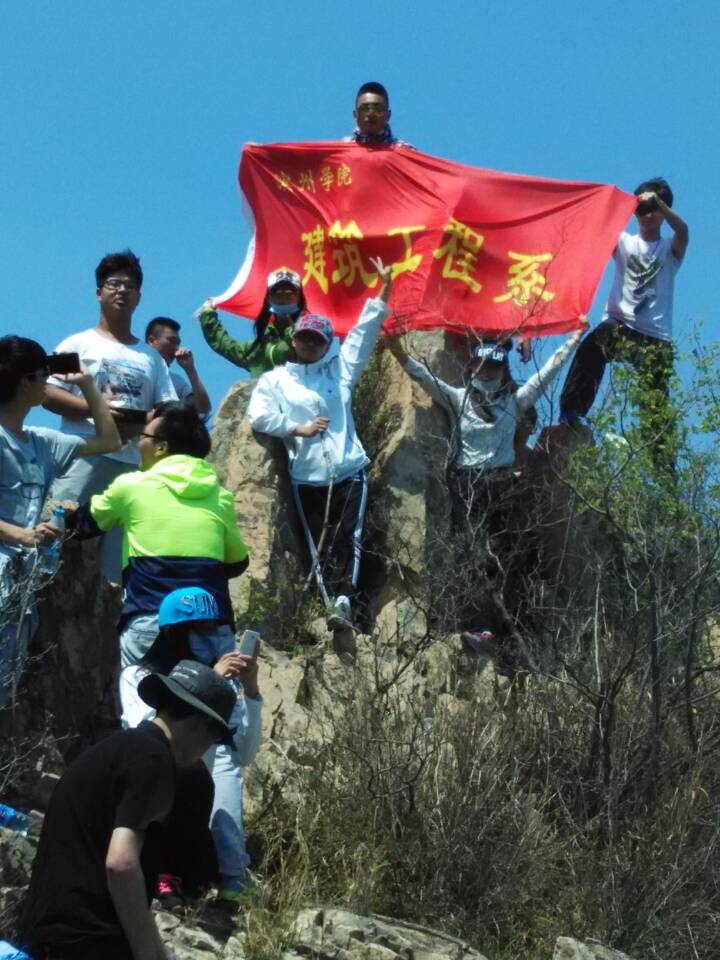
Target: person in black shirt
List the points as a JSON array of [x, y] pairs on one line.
[[107, 828]]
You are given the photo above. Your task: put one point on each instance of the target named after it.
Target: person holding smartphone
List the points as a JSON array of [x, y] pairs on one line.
[[132, 377], [30, 460], [190, 627]]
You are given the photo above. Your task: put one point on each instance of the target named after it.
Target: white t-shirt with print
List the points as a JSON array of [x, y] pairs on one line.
[[129, 376], [642, 292]]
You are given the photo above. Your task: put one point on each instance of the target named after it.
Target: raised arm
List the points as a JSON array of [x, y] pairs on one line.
[[248, 736], [220, 340], [676, 222], [107, 438], [528, 394], [199, 395], [450, 398], [360, 342]]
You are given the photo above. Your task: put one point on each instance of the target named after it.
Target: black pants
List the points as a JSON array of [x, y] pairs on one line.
[[183, 845], [339, 560], [496, 550], [653, 362]]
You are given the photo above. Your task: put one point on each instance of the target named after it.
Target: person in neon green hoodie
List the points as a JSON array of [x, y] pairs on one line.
[[179, 531], [272, 346]]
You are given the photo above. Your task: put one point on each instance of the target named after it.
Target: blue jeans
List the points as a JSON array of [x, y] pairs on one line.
[[226, 820]]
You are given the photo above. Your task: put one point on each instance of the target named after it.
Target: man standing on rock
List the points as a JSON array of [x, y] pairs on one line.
[[115, 817], [132, 377]]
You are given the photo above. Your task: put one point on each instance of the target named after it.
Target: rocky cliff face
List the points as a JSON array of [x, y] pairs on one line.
[[403, 663]]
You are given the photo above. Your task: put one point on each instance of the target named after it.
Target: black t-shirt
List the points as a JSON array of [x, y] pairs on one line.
[[127, 780]]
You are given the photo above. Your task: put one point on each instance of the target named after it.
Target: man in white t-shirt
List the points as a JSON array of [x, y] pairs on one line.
[[163, 335], [637, 323], [132, 378]]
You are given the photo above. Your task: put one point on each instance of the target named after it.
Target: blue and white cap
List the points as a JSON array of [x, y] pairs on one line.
[[187, 604]]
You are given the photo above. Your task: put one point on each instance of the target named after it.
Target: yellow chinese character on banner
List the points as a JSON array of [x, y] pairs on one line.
[[314, 251], [327, 178], [284, 180], [411, 261], [343, 175], [306, 181], [461, 248], [348, 260], [525, 280]]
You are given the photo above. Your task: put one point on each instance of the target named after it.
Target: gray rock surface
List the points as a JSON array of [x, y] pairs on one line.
[[568, 948]]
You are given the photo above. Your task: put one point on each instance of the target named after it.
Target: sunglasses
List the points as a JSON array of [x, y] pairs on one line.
[[366, 109]]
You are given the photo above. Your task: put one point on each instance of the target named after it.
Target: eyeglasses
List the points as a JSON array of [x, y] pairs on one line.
[[115, 283], [366, 109]]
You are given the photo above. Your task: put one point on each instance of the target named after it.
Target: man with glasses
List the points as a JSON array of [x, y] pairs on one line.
[[132, 377], [372, 115], [30, 459]]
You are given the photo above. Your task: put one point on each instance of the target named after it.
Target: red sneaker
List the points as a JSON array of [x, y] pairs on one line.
[[169, 893]]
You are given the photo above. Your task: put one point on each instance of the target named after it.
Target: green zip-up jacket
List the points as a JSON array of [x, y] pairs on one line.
[[257, 357]]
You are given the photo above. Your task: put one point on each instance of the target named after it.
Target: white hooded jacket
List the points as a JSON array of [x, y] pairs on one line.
[[297, 393]]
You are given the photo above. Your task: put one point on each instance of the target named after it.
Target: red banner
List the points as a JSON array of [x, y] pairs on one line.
[[469, 247]]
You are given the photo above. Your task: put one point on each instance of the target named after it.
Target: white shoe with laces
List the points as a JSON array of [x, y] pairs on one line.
[[340, 614]]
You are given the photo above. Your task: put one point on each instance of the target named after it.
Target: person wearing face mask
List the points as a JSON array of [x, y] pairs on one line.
[[308, 405], [485, 415], [272, 346], [190, 627]]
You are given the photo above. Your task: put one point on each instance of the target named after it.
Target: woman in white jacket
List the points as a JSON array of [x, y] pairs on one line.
[[484, 415], [308, 404]]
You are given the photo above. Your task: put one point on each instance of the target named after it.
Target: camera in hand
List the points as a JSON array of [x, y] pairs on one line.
[[132, 416], [63, 363], [647, 206]]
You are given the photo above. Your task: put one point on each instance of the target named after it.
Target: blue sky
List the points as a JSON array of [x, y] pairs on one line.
[[122, 125]]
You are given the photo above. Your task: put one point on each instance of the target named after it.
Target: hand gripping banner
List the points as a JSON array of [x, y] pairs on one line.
[[470, 248]]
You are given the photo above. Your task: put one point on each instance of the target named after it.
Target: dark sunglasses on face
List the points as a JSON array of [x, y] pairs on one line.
[[366, 109]]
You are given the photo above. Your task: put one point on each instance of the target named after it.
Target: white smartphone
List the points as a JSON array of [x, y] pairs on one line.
[[249, 643]]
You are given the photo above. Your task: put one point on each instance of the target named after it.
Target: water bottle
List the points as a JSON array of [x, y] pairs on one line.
[[49, 556], [9, 952], [12, 819]]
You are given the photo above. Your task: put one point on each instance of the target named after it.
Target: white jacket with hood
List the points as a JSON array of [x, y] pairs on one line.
[[297, 393]]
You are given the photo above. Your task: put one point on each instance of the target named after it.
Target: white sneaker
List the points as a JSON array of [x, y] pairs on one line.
[[340, 614]]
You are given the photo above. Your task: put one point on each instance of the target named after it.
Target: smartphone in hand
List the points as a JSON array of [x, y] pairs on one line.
[[63, 363], [249, 643]]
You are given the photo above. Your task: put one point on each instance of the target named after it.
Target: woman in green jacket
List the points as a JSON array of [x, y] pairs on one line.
[[272, 346]]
